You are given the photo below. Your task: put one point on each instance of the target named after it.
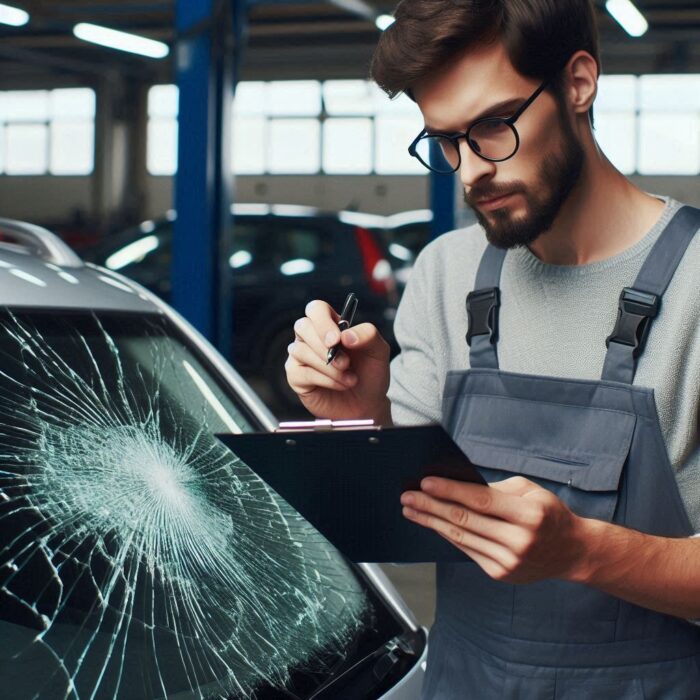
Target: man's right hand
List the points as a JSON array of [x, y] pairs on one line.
[[355, 383]]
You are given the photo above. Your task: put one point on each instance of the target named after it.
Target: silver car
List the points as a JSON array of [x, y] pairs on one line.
[[138, 557]]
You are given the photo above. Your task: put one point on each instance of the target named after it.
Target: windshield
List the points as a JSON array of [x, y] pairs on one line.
[[138, 557]]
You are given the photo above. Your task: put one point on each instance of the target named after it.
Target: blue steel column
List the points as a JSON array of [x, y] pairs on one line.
[[442, 199], [209, 37]]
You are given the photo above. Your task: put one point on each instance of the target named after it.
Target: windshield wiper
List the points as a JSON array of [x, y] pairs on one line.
[[364, 678]]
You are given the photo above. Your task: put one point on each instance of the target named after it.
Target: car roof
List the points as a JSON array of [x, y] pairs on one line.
[[280, 211], [54, 277]]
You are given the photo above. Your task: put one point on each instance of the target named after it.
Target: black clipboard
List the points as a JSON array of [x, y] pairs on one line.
[[347, 484]]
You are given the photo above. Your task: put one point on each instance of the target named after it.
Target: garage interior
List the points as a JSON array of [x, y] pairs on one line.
[[108, 161]]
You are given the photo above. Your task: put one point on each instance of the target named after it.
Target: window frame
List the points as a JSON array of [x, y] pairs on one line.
[[47, 121]]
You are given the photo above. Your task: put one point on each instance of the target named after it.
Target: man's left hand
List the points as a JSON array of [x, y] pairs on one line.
[[515, 530]]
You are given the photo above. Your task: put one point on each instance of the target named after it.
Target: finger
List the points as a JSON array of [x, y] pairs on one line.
[[367, 338], [325, 322], [305, 380], [305, 356], [306, 331], [490, 567], [463, 538], [491, 528], [483, 499]]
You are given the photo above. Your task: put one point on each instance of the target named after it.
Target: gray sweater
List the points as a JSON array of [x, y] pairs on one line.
[[554, 320]]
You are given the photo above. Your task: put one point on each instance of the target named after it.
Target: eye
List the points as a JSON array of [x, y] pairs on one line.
[[491, 126]]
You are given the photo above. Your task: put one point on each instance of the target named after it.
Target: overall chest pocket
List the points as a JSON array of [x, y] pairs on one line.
[[578, 452]]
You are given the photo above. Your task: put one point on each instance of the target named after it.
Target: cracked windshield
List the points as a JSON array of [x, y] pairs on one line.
[[138, 556]]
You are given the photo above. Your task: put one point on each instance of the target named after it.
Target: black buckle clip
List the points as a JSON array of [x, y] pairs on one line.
[[635, 311], [482, 315]]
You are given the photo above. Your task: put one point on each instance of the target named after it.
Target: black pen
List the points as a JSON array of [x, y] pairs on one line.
[[346, 318]]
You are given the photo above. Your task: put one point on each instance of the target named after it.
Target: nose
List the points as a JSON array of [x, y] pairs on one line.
[[473, 168]]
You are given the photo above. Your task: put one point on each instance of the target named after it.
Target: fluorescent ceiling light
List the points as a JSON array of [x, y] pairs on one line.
[[384, 21], [13, 16], [627, 16], [122, 41]]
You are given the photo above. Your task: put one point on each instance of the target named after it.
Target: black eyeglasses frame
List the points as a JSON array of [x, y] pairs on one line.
[[454, 138]]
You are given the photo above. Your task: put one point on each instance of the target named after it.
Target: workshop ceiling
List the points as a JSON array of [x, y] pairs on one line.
[[291, 40]]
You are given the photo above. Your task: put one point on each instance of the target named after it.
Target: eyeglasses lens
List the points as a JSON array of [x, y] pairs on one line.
[[493, 139], [438, 153]]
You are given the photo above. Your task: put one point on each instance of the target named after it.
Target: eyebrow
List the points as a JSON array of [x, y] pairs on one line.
[[506, 105]]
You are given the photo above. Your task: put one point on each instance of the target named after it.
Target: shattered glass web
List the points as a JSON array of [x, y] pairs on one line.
[[138, 557]]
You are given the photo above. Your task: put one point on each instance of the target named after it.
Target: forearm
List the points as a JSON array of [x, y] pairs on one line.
[[659, 573]]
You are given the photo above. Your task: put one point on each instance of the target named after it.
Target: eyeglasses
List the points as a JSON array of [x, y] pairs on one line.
[[491, 138]]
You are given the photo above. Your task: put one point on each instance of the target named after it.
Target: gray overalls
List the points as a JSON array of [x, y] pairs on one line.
[[598, 446]]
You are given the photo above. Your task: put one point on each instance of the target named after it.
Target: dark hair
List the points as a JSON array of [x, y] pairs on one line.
[[539, 35]]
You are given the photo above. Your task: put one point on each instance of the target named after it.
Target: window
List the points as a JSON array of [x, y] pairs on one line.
[[669, 125], [616, 120], [294, 146], [47, 132], [392, 134], [650, 124], [293, 98], [161, 150], [349, 98], [347, 145], [669, 143], [300, 127]]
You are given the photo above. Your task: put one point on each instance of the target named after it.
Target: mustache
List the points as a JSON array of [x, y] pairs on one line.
[[493, 191]]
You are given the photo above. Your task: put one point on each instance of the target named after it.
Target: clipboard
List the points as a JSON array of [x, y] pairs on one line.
[[347, 483]]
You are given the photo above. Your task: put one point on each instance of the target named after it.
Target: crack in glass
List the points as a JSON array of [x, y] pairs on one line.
[[138, 556]]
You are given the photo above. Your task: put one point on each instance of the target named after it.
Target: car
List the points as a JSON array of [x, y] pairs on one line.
[[410, 229], [282, 257], [139, 558], [404, 235]]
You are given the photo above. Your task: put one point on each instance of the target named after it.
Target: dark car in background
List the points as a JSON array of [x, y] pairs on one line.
[[282, 257], [410, 230], [139, 557], [404, 234]]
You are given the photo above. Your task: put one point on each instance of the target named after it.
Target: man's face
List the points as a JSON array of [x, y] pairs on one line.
[[518, 199]]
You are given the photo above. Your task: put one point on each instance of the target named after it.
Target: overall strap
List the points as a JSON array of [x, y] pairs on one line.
[[639, 305], [482, 310]]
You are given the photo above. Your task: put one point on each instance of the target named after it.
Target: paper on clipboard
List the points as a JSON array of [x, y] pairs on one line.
[[347, 481]]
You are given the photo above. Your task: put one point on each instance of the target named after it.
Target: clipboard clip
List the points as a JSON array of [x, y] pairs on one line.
[[325, 424]]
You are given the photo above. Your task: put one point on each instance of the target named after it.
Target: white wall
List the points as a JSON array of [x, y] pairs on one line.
[[369, 193], [44, 198]]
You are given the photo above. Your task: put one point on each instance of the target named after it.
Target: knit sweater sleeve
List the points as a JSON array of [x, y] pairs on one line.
[[415, 386]]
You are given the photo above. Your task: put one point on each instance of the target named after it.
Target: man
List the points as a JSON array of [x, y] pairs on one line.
[[580, 402]]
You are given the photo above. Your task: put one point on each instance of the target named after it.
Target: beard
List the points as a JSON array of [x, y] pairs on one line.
[[556, 178]]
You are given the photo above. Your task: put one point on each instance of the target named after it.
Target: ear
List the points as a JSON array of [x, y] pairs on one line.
[[581, 74]]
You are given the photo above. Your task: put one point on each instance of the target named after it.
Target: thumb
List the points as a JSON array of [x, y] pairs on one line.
[[366, 338]]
